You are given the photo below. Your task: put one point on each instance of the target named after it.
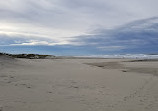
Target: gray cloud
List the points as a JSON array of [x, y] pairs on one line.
[[77, 13], [67, 21], [138, 34]]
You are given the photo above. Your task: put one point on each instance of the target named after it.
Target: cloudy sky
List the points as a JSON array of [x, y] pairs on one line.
[[79, 27]]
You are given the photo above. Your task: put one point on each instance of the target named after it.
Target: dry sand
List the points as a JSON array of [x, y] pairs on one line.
[[78, 85]]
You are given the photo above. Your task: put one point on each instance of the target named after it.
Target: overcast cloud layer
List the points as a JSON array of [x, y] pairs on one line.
[[105, 25]]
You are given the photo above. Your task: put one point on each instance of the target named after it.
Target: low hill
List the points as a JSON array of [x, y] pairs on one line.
[[27, 56]]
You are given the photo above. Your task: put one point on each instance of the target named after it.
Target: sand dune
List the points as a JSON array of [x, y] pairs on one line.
[[78, 85]]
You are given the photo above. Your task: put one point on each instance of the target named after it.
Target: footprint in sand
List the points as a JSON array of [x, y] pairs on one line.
[[1, 108], [24, 84]]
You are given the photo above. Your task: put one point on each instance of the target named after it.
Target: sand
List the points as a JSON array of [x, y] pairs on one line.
[[78, 85]]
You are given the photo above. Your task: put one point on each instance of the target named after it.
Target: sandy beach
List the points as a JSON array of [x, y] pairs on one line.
[[78, 85]]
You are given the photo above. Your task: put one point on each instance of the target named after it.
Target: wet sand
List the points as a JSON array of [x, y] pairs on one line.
[[78, 85]]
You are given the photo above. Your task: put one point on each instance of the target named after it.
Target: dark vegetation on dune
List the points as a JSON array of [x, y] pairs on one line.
[[27, 56]]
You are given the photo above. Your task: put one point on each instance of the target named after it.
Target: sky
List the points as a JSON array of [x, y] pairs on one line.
[[79, 27]]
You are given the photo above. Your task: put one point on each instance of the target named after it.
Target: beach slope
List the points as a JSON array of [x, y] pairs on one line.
[[78, 85]]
